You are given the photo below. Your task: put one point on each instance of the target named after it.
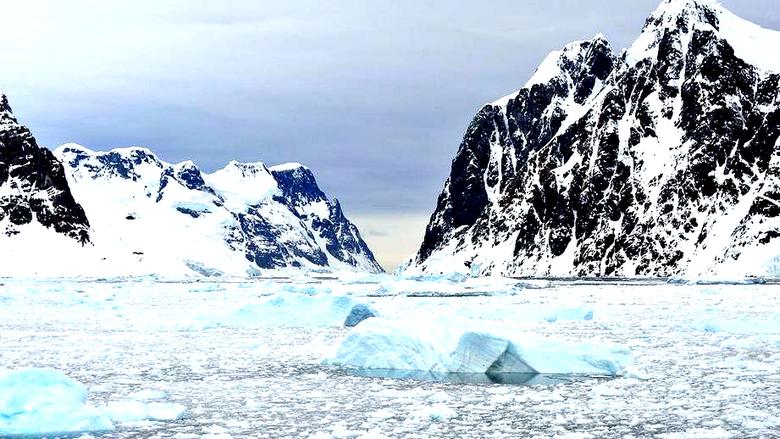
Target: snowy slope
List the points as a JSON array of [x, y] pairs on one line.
[[126, 212], [662, 161], [157, 217]]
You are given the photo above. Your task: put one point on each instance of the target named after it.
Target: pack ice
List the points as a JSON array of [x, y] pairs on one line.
[[449, 345], [290, 309]]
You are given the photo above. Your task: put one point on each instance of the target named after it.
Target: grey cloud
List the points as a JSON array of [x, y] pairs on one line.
[[374, 96]]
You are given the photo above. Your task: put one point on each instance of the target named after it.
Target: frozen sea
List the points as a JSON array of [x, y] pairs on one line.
[[706, 356]]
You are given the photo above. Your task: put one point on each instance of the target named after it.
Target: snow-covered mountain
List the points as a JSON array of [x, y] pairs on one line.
[[127, 212], [664, 160]]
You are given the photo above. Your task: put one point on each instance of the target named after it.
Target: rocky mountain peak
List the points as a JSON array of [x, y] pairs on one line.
[[298, 184], [662, 163], [33, 186]]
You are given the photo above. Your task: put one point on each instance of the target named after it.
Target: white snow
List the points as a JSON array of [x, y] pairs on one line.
[[36, 401], [243, 184], [287, 167], [751, 42]]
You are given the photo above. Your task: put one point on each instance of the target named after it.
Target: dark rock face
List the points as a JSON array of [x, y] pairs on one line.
[[298, 186], [33, 186], [266, 247], [662, 163], [342, 238]]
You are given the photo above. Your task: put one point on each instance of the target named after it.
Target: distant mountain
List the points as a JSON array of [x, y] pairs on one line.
[[137, 214], [661, 161]]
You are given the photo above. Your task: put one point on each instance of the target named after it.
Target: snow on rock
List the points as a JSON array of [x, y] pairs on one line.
[[40, 401], [127, 212], [463, 346], [662, 162]]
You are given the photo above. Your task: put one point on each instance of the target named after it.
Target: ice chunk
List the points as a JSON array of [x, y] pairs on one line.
[[377, 344], [290, 310], [39, 401], [358, 313], [454, 346], [133, 410], [454, 277], [569, 314], [434, 413]]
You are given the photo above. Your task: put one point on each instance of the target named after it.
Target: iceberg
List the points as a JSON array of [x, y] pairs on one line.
[[287, 310], [464, 346], [45, 401]]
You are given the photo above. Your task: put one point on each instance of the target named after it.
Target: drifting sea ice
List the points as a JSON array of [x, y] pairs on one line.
[[448, 345], [39, 401], [135, 410], [286, 310], [264, 380]]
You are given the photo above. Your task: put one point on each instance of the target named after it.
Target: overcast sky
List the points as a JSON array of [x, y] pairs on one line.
[[374, 96]]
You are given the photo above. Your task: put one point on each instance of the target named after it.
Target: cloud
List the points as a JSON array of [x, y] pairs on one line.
[[377, 233], [373, 96]]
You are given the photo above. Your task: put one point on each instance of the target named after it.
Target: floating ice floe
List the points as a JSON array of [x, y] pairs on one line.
[[45, 401], [462, 346], [433, 413], [717, 324], [569, 314], [289, 310], [455, 285], [136, 410]]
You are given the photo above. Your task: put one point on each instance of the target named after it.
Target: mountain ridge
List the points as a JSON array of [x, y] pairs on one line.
[[74, 211], [614, 165]]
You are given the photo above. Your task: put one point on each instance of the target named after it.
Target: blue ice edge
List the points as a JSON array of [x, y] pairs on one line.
[[446, 346]]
